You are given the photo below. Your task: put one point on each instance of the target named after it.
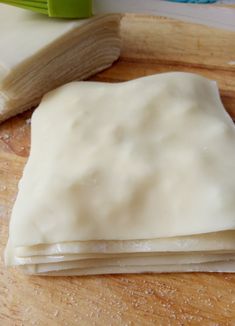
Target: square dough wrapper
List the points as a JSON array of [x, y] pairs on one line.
[[38, 54], [146, 160]]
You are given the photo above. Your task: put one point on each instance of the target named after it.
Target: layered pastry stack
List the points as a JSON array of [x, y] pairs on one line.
[[38, 54], [130, 177]]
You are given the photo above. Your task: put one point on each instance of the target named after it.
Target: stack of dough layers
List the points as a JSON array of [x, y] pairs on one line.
[[127, 178], [38, 54]]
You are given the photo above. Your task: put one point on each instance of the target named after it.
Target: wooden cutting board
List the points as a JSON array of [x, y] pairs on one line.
[[150, 45]]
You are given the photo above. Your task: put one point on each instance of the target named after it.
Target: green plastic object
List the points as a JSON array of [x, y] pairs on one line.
[[56, 8]]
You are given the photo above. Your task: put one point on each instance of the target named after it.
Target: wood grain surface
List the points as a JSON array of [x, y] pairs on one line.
[[150, 45]]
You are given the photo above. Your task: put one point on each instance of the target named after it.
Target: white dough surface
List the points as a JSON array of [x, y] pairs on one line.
[[148, 158], [139, 173]]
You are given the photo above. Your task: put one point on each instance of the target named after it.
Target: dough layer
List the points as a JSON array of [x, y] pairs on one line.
[[135, 176], [38, 54]]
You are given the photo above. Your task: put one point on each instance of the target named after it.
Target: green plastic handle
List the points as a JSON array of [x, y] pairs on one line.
[[56, 8], [70, 8], [37, 6]]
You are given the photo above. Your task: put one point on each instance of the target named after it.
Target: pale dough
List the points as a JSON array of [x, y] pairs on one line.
[[218, 266], [203, 242], [149, 158], [144, 166], [38, 53]]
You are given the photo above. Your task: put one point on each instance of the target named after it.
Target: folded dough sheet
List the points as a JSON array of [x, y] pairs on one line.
[[129, 177], [38, 54]]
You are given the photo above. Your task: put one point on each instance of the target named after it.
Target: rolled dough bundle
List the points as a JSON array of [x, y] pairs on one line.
[[38, 54], [129, 177]]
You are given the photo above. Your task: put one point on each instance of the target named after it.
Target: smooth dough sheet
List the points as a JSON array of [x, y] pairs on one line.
[[219, 267], [208, 255], [38, 54], [192, 258], [140, 166], [149, 158], [219, 241]]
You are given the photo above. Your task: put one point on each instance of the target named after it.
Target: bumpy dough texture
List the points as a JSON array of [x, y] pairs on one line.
[[145, 159]]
